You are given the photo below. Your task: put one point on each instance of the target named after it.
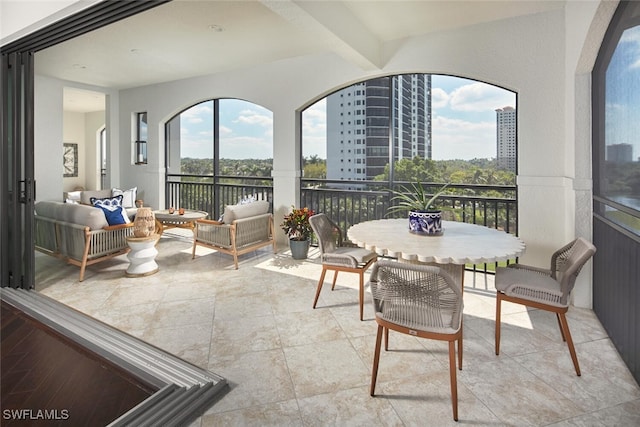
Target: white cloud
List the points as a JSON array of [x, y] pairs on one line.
[[439, 98], [459, 139], [225, 130], [198, 113], [254, 118], [480, 97], [314, 130]]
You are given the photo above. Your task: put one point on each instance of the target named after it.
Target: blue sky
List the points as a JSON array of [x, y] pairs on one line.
[[623, 93], [246, 131], [463, 124]]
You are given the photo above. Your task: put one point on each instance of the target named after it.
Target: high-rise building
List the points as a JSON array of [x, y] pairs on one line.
[[620, 153], [359, 120], [506, 138]]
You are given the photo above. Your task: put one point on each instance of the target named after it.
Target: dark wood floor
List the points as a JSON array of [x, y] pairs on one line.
[[50, 380]]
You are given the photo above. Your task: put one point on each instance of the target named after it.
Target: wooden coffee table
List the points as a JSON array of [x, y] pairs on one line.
[[175, 220]]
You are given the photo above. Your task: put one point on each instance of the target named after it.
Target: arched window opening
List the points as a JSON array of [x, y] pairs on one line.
[[617, 170], [430, 128], [219, 152]]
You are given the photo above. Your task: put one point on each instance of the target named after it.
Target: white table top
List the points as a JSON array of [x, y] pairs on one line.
[[460, 243]]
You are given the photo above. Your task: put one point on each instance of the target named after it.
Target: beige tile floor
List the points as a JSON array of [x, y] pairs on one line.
[[288, 364]]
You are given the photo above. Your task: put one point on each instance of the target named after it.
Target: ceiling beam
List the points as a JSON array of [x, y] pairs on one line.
[[337, 25]]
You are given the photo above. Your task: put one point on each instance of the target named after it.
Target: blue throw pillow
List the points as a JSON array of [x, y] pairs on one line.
[[109, 201], [115, 215], [112, 208]]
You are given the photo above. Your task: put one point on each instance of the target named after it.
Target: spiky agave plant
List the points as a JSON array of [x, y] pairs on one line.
[[415, 198]]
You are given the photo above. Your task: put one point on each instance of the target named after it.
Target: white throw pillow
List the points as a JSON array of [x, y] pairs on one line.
[[233, 212], [128, 196]]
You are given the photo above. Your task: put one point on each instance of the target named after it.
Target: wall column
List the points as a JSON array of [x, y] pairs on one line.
[[286, 166]]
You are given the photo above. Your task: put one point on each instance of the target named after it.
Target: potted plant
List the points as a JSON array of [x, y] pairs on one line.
[[424, 217], [297, 227]]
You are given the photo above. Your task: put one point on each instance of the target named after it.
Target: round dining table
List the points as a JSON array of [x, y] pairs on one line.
[[458, 245]]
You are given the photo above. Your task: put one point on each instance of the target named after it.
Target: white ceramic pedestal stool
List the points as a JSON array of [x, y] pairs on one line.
[[142, 256]]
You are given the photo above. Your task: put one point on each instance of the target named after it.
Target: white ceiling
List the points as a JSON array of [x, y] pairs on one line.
[[187, 38]]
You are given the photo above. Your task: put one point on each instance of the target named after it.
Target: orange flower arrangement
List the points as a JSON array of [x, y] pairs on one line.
[[296, 224]]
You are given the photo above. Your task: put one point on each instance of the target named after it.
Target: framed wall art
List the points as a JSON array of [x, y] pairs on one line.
[[70, 160]]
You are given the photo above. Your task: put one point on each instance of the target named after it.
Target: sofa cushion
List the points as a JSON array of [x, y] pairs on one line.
[[85, 196], [73, 213], [233, 212], [128, 196]]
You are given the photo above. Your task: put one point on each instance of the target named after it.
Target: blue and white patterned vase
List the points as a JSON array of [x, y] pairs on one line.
[[426, 223]]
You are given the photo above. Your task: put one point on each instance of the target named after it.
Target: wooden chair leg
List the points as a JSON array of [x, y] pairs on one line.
[[361, 291], [376, 360], [567, 334], [320, 282], [560, 325], [335, 277], [460, 350], [386, 339], [498, 302], [454, 380]]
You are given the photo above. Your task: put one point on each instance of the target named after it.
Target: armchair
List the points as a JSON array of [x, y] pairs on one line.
[[545, 289], [245, 229], [338, 257], [421, 301]]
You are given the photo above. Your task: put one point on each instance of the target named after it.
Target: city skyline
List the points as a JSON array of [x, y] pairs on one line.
[[463, 127]]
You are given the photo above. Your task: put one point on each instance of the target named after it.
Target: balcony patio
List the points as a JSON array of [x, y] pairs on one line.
[[288, 364]]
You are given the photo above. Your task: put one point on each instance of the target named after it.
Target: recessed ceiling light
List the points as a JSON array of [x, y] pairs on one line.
[[217, 28]]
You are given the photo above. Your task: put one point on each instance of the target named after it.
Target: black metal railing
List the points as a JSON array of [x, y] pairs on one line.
[[211, 194], [348, 204]]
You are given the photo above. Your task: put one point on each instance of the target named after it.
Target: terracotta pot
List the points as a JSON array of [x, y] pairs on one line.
[[144, 225]]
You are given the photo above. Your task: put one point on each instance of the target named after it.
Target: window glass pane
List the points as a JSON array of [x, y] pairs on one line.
[[246, 139], [620, 180], [190, 141], [142, 126], [432, 126]]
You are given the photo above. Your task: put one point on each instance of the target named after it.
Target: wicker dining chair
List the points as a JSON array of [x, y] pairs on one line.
[[545, 289], [421, 301], [336, 256]]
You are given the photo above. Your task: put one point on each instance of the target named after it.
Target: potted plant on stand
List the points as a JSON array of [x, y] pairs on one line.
[[424, 218], [297, 228]]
